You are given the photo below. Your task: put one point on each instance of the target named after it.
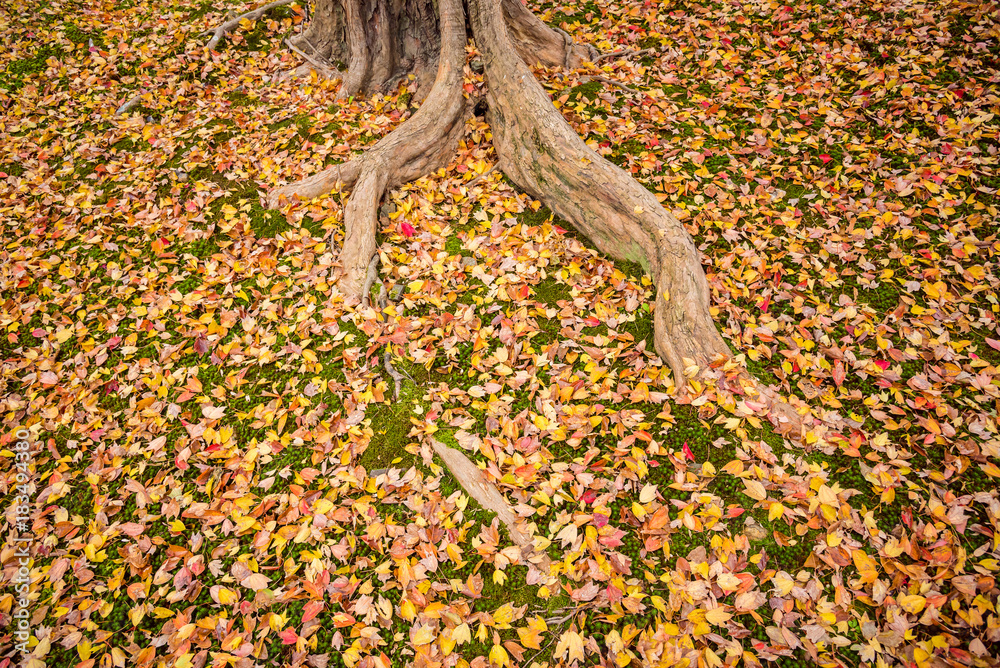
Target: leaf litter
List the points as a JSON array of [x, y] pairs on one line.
[[222, 475]]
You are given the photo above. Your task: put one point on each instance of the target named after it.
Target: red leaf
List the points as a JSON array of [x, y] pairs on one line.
[[600, 520], [687, 451], [406, 229], [882, 364], [311, 609], [838, 373], [288, 637], [825, 158]]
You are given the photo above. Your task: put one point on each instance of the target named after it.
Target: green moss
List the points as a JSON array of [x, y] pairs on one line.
[[19, 72], [265, 223], [390, 425]]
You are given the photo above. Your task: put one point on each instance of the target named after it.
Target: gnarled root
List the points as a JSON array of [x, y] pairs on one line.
[[536, 42], [475, 483], [220, 31], [421, 145], [540, 152]]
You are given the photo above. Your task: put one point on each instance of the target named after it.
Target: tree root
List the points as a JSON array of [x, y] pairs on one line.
[[534, 42], [489, 497], [397, 378], [129, 104], [370, 280], [326, 70], [228, 26], [622, 53], [610, 82], [422, 144], [541, 153]]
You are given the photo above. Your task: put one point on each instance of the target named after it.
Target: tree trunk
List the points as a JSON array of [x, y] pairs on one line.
[[384, 40]]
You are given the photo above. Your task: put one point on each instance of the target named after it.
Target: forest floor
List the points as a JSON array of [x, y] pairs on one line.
[[219, 475]]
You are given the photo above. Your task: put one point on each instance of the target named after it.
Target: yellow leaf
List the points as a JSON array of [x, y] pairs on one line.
[[226, 596], [755, 490], [570, 643], [734, 467], [407, 610], [503, 616], [462, 633], [423, 636], [498, 656], [775, 511], [717, 616], [912, 603], [865, 565]]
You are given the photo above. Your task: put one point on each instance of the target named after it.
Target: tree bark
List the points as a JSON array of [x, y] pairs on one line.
[[387, 39]]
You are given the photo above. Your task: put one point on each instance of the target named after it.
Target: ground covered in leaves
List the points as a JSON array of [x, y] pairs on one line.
[[221, 476]]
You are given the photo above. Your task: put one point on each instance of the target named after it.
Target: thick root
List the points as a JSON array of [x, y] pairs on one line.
[[536, 42], [422, 144], [541, 153], [489, 497]]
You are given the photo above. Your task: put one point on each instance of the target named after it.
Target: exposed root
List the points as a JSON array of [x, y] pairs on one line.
[[422, 144], [536, 42], [219, 32], [540, 152], [344, 175], [370, 279], [323, 68], [397, 378], [129, 104], [489, 497], [622, 53], [610, 82]]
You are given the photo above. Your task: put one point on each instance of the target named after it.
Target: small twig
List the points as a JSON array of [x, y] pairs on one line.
[[326, 69], [610, 82], [397, 378], [483, 175], [623, 53], [219, 32], [554, 634]]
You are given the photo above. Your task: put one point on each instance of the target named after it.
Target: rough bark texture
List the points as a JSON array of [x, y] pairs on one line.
[[541, 153], [386, 39], [379, 41], [423, 144]]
